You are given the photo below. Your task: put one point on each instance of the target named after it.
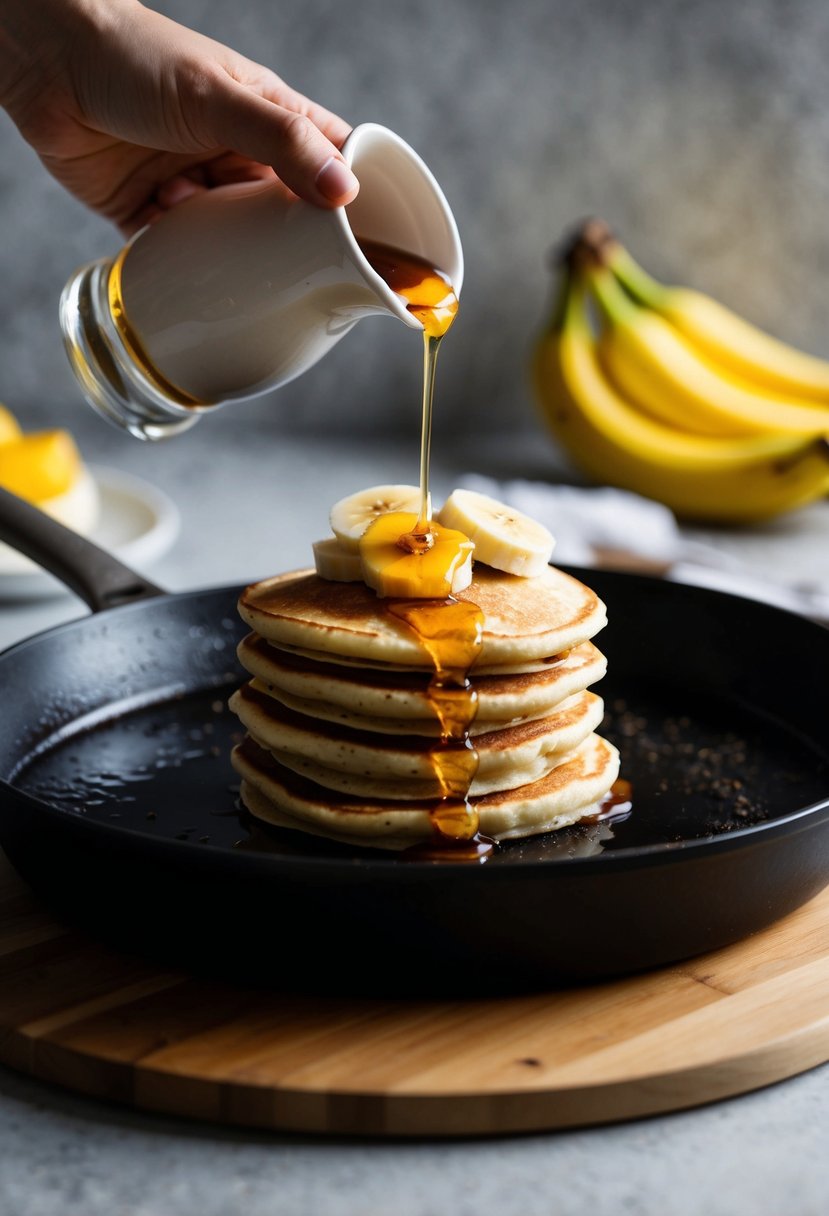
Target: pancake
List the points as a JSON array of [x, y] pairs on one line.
[[398, 702], [568, 793], [526, 619], [400, 767]]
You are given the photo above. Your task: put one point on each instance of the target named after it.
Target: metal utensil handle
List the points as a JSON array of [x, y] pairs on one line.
[[95, 575]]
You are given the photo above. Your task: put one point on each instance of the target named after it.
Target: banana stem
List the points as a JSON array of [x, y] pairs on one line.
[[558, 316], [582, 275], [636, 281], [615, 304], [596, 245], [569, 310], [571, 305]]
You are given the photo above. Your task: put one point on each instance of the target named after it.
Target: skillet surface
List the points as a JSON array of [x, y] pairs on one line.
[[119, 805]]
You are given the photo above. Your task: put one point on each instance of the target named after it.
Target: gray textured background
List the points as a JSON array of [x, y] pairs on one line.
[[698, 128]]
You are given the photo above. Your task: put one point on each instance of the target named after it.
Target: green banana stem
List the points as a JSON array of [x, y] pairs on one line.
[[558, 313], [595, 244], [614, 303], [569, 311], [576, 317], [636, 281]]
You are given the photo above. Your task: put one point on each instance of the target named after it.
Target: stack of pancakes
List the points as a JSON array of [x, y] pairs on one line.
[[340, 726]]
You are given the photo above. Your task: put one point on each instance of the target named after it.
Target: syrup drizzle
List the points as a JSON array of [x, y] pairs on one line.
[[431, 298], [450, 631]]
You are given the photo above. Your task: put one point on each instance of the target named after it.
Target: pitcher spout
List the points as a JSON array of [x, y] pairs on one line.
[[400, 204]]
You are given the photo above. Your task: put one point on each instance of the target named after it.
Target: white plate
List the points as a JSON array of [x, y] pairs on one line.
[[137, 523]]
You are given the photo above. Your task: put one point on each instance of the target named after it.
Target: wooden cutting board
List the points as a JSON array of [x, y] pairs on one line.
[[81, 1015]]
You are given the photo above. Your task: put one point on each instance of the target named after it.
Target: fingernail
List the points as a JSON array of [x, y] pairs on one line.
[[335, 179]]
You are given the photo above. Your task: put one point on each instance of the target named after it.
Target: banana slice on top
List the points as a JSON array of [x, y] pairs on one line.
[[351, 516], [504, 538], [336, 563], [397, 572]]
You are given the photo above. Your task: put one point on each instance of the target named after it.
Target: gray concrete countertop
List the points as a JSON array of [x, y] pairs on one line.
[[251, 501], [763, 1154]]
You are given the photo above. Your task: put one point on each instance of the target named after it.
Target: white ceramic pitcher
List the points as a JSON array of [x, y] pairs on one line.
[[240, 289]]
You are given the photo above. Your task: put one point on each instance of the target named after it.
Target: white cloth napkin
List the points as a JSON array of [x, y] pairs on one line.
[[606, 526]]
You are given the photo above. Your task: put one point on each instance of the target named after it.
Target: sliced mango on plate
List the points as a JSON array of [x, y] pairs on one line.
[[9, 426], [40, 465]]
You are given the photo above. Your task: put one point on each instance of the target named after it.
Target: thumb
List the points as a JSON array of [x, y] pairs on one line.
[[302, 156]]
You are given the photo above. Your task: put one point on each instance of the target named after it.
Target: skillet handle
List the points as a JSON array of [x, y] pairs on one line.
[[95, 575]]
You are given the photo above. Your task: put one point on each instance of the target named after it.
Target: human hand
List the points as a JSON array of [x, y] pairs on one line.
[[133, 113]]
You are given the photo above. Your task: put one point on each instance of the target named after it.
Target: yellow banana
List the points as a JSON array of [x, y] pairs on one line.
[[733, 344], [659, 370], [725, 480]]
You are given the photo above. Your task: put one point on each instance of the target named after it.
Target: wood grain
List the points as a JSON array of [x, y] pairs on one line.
[[79, 1014]]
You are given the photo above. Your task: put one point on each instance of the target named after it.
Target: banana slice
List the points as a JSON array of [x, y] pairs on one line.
[[392, 571], [336, 563], [352, 515], [504, 538]]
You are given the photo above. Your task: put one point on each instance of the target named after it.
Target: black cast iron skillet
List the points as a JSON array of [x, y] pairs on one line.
[[119, 806]]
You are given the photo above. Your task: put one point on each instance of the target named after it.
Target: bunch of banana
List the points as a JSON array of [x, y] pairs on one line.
[[662, 391]]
